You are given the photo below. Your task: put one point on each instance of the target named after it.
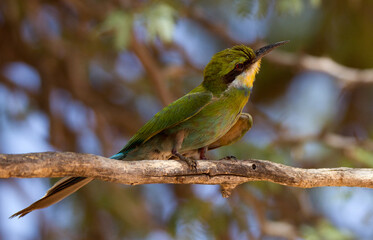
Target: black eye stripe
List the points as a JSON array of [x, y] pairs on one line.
[[229, 77]]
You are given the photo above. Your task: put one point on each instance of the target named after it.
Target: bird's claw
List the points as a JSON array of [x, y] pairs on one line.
[[192, 164]]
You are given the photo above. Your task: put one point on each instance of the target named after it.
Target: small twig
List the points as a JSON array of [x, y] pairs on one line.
[[222, 172]]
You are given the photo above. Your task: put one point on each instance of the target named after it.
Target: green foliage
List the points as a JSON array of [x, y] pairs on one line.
[[261, 8], [324, 230], [160, 20], [364, 156], [120, 23]]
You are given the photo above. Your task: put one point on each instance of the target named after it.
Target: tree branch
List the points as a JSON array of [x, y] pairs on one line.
[[227, 173], [155, 75], [346, 75]]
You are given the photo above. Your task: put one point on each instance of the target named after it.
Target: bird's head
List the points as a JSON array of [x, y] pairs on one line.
[[236, 67]]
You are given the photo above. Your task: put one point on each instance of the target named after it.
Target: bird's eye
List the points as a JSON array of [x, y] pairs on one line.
[[239, 66]]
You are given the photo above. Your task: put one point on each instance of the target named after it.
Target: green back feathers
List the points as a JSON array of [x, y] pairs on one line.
[[175, 113], [224, 63]]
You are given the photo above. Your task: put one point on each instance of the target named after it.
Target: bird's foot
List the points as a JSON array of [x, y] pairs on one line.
[[228, 158], [192, 164], [202, 153]]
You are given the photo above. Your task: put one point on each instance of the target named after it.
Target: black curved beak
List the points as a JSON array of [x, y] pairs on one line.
[[261, 52]]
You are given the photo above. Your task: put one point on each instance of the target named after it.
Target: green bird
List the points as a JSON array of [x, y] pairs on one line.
[[208, 117]]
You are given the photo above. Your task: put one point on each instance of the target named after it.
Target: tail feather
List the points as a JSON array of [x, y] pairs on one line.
[[60, 190], [63, 184]]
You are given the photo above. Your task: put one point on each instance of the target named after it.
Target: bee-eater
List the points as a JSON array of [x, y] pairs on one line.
[[208, 117]]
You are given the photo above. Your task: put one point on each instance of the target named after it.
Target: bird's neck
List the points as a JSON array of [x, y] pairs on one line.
[[238, 95]]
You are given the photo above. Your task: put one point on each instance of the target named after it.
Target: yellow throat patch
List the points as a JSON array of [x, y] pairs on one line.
[[246, 79]]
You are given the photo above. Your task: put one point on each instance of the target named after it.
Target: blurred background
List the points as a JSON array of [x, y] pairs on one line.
[[83, 76]]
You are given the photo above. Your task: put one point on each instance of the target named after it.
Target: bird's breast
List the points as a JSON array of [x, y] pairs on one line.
[[213, 121]]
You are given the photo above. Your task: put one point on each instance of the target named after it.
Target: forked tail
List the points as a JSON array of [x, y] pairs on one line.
[[59, 191]]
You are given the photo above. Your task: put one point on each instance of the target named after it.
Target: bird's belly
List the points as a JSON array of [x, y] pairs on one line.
[[157, 148], [206, 133]]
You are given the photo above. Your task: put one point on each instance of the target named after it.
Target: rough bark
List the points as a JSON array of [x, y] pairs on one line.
[[227, 173]]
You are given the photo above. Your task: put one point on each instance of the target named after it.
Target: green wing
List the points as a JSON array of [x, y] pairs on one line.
[[175, 113]]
